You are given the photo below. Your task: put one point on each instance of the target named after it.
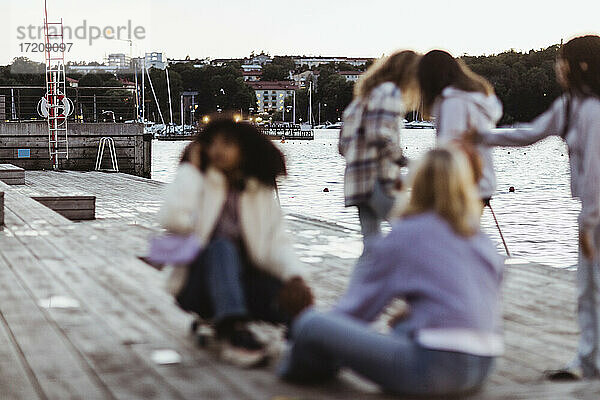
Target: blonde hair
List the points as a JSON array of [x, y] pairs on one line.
[[399, 68], [444, 183]]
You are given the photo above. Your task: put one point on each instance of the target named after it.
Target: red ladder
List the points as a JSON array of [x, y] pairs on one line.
[[58, 106]]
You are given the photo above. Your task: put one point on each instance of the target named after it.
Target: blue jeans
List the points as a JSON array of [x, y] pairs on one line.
[[222, 285], [370, 224], [588, 312], [323, 343]]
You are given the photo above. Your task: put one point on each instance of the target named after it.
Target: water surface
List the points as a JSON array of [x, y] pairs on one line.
[[539, 220]]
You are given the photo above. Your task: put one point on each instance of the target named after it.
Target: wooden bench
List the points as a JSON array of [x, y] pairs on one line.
[[75, 208], [12, 175]]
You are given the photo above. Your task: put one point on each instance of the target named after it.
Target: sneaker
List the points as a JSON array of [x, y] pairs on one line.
[[243, 350], [564, 374]]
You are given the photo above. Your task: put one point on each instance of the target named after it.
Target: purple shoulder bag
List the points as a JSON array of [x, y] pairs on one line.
[[174, 249]]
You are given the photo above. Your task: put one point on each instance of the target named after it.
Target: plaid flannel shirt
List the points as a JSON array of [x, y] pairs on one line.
[[370, 143]]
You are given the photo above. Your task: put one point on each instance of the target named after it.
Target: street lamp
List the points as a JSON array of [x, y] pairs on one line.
[[288, 109], [192, 112]]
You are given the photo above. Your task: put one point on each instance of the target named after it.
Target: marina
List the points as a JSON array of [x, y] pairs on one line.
[[277, 131], [83, 317], [287, 131]]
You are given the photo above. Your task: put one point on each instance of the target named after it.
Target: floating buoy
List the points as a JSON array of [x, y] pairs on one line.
[[511, 189], [326, 190]]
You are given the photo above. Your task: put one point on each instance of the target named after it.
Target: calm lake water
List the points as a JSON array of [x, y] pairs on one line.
[[538, 220]]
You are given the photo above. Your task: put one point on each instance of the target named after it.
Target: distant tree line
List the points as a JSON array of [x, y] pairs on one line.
[[524, 82]]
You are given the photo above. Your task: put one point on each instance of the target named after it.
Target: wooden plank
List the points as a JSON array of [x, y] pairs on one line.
[[16, 379], [125, 297], [67, 202], [9, 168], [103, 348], [33, 212], [56, 367], [27, 142], [13, 181], [91, 152], [78, 215], [12, 175]]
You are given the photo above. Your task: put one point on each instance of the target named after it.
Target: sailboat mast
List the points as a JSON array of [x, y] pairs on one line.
[[170, 102], [144, 93], [310, 118], [137, 93], [294, 108], [155, 98]]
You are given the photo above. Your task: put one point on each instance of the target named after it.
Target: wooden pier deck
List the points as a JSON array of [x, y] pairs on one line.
[[82, 318]]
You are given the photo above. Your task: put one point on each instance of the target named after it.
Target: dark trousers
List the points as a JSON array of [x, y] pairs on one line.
[[222, 285]]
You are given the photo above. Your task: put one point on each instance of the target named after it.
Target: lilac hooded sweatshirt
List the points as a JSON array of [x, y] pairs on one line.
[[452, 284]]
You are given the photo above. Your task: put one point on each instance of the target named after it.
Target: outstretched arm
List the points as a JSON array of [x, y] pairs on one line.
[[549, 123], [370, 291]]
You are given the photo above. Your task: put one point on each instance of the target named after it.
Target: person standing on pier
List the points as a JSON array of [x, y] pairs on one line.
[[460, 100], [448, 272], [224, 193], [370, 138], [575, 117]]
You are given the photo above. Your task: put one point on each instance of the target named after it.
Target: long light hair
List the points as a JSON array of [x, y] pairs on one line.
[[399, 68], [444, 183]]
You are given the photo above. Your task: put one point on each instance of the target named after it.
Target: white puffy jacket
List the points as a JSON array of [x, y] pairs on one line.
[[194, 202]]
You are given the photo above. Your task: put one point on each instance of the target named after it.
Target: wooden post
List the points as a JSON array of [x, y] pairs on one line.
[[1, 208]]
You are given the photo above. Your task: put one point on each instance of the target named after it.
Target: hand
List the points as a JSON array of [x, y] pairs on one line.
[[295, 296], [399, 316], [585, 242], [471, 136], [398, 185]]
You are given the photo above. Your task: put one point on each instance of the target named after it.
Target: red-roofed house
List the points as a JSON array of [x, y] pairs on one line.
[[251, 76], [270, 96], [72, 82]]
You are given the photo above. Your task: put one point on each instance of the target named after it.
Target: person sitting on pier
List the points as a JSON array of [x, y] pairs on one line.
[[449, 273], [224, 192]]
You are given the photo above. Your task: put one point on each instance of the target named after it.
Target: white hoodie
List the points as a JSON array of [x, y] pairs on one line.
[[456, 112]]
